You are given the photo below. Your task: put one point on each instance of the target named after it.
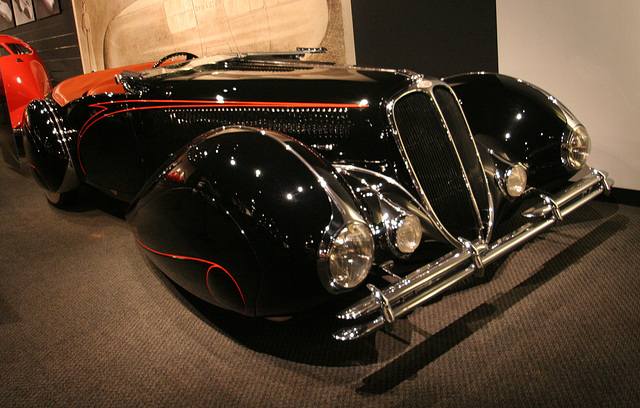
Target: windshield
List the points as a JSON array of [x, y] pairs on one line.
[[210, 63], [182, 67]]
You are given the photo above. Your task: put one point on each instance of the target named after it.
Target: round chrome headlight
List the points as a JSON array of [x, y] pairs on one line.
[[577, 148], [350, 256], [516, 181], [409, 234]]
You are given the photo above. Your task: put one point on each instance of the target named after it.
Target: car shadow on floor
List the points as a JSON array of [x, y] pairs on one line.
[[305, 338], [87, 198], [409, 363]]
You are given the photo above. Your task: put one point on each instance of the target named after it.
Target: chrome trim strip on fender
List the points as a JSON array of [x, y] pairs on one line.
[[432, 279]]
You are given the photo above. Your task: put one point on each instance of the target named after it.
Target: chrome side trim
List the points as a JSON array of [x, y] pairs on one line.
[[432, 279]]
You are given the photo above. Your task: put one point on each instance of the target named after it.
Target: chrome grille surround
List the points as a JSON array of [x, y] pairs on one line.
[[442, 159]]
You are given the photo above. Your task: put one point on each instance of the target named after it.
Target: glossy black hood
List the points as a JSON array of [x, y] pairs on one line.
[[277, 82], [338, 111]]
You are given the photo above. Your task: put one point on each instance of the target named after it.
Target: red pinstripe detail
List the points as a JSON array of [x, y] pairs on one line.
[[253, 104], [36, 169], [213, 266]]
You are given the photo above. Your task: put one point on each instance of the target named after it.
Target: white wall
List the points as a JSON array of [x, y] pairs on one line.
[[587, 54]]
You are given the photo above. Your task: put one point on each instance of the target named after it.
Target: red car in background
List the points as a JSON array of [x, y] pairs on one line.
[[24, 78]]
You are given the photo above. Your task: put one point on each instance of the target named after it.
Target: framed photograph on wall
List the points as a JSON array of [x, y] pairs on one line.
[[46, 8], [6, 15], [23, 11]]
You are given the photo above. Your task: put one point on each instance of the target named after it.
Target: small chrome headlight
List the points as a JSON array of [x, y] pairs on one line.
[[351, 255], [577, 148], [409, 234], [516, 181]]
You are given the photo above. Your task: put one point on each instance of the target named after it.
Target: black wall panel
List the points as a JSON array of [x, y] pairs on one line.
[[437, 38], [55, 40]]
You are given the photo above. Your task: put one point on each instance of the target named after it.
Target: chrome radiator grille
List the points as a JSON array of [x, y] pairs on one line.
[[442, 159]]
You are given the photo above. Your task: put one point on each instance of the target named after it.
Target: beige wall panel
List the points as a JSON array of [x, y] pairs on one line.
[[125, 32]]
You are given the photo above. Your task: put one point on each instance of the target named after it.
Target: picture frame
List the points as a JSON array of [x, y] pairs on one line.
[[46, 8], [23, 12], [6, 15]]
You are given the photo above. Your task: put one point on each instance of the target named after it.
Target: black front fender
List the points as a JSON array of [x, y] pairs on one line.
[[517, 122], [237, 218]]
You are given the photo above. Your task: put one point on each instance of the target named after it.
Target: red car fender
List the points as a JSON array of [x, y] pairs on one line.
[[24, 76]]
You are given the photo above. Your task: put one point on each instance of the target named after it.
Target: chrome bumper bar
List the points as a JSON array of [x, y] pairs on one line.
[[384, 306]]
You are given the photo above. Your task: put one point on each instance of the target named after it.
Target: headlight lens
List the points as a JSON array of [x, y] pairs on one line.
[[409, 234], [516, 181], [576, 151], [351, 255]]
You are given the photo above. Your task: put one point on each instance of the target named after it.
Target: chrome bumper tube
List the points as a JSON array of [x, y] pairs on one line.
[[397, 300]]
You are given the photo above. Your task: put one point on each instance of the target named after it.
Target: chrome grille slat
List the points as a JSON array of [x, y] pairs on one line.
[[464, 145]]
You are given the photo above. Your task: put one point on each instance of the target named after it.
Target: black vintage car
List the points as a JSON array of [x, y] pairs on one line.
[[267, 185]]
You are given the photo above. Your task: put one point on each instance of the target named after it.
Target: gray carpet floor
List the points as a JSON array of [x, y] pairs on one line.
[[87, 321]]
